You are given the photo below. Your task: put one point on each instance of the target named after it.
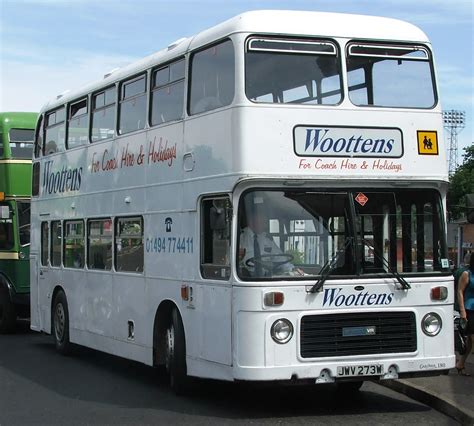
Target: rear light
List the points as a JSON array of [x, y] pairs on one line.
[[274, 298], [439, 293]]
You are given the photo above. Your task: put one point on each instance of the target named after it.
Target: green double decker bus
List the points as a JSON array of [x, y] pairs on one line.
[[16, 148]]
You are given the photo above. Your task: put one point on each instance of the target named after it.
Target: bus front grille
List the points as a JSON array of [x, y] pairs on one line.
[[357, 334]]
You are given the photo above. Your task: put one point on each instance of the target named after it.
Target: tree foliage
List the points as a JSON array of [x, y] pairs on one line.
[[461, 183]]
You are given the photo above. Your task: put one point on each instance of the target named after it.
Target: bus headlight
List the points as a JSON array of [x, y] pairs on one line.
[[431, 324], [282, 331]]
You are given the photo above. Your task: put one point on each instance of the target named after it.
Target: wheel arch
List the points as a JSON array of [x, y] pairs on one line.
[[56, 290], [6, 284], [161, 322]]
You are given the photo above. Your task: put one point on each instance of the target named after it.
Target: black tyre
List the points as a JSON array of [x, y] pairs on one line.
[[349, 387], [7, 312], [60, 324], [175, 354]]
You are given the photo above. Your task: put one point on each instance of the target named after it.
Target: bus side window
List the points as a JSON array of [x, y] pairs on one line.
[[212, 78], [216, 220], [56, 243], [74, 244], [44, 243], [129, 254], [55, 132], [132, 113], [39, 137], [103, 115], [78, 124], [167, 98], [99, 245]]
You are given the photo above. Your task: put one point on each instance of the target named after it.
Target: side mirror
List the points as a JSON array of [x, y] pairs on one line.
[[217, 218]]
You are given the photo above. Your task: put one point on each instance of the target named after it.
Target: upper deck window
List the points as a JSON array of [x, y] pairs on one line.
[[167, 98], [133, 105], [292, 71], [54, 137], [390, 76], [21, 143], [103, 115], [212, 78], [78, 126]]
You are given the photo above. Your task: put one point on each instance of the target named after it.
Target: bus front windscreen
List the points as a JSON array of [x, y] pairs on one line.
[[296, 235], [291, 71]]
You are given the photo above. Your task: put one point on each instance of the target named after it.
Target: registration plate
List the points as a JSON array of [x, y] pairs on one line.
[[360, 370]]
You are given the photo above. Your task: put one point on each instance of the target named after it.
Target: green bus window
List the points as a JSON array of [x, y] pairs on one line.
[[78, 125], [21, 143], [7, 239], [24, 211], [129, 244], [132, 105], [56, 243], [167, 98], [99, 248], [54, 135], [103, 115]]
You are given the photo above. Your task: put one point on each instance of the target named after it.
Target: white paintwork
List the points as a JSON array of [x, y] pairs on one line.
[[227, 151]]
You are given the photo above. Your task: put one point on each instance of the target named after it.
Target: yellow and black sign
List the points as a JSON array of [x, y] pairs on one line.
[[427, 142]]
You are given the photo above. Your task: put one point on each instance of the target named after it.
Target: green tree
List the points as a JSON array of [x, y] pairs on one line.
[[460, 184]]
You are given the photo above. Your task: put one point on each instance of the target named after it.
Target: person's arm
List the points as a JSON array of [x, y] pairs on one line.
[[462, 285]]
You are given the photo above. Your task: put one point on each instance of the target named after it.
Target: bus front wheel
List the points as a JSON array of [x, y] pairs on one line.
[[175, 355], [60, 324], [7, 312]]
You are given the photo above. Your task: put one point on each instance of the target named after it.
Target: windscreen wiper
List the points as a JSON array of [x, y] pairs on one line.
[[328, 267], [400, 279]]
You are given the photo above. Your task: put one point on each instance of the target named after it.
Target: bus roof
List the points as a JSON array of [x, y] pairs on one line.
[[298, 23], [18, 120]]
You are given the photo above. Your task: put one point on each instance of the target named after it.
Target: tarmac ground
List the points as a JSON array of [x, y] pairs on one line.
[[451, 394]]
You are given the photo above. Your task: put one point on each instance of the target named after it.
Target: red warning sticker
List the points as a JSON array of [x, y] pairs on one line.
[[361, 199]]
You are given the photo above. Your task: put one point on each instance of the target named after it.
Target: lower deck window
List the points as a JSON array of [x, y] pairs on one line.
[[129, 254], [100, 244], [216, 217], [74, 244], [56, 243]]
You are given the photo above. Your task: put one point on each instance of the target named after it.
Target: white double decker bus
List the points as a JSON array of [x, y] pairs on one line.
[[263, 201]]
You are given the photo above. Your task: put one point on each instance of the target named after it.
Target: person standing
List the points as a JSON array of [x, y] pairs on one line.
[[466, 311]]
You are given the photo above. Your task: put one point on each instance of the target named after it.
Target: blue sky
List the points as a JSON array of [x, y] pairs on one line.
[[49, 46]]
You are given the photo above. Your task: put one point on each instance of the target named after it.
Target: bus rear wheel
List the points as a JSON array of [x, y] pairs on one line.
[[60, 324], [7, 312], [175, 354]]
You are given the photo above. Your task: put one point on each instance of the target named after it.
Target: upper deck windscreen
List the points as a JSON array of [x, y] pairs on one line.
[[390, 75], [292, 71]]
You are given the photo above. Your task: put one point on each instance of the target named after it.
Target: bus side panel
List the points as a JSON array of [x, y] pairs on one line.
[[35, 322], [97, 304]]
